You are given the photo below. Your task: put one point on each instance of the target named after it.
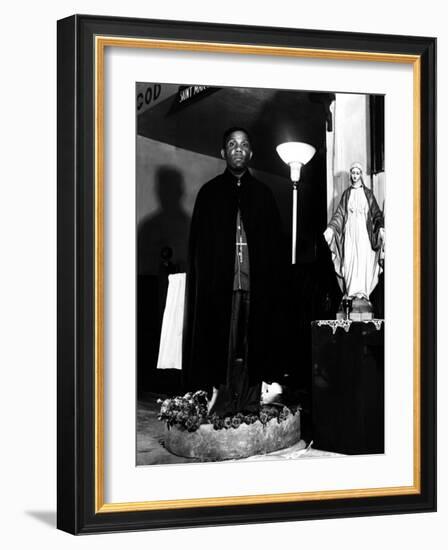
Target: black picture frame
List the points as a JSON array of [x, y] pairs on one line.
[[79, 508]]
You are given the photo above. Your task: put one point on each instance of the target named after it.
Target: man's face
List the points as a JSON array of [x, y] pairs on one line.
[[355, 174], [238, 151]]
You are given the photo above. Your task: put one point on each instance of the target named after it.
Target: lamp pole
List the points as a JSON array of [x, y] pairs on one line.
[[295, 168], [295, 186]]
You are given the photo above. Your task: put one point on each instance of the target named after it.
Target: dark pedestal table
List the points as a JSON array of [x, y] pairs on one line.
[[348, 386]]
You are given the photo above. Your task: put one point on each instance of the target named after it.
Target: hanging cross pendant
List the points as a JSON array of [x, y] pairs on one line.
[[240, 245]]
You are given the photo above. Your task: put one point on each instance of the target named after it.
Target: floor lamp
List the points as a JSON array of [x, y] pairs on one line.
[[296, 155]]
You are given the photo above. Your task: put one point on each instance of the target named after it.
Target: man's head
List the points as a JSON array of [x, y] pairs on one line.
[[236, 149]]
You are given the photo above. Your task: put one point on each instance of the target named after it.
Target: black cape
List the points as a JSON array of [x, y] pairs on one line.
[[210, 276]]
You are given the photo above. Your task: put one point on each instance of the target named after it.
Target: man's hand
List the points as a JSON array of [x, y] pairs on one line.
[[212, 401]]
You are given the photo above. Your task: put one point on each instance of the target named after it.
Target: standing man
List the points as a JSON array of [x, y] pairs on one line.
[[234, 282]]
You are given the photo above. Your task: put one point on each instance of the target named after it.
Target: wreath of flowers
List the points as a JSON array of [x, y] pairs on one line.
[[190, 411]]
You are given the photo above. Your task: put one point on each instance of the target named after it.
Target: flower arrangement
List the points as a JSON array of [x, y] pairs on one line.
[[190, 411]]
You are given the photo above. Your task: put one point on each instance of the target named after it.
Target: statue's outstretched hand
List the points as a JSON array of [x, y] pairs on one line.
[[382, 238], [328, 234]]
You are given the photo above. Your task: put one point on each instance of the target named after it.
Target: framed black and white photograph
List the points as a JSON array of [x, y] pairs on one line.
[[246, 253]]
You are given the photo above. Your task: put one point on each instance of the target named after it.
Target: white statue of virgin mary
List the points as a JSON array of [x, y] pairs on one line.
[[355, 236]]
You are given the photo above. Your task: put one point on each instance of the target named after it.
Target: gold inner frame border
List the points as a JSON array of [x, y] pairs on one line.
[[100, 44]]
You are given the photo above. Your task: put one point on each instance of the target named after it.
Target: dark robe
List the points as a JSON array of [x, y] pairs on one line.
[[210, 278]]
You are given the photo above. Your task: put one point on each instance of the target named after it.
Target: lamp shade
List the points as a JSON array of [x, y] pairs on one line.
[[295, 151]]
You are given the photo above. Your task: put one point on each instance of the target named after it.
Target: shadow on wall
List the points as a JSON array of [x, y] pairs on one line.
[[162, 249], [167, 227]]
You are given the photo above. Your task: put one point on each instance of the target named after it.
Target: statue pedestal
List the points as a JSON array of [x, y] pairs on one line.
[[357, 316], [209, 444], [361, 310]]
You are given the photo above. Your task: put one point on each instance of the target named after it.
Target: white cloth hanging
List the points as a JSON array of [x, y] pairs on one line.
[[170, 349]]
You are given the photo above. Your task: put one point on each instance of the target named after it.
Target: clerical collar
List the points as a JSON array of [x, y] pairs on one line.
[[241, 179]]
